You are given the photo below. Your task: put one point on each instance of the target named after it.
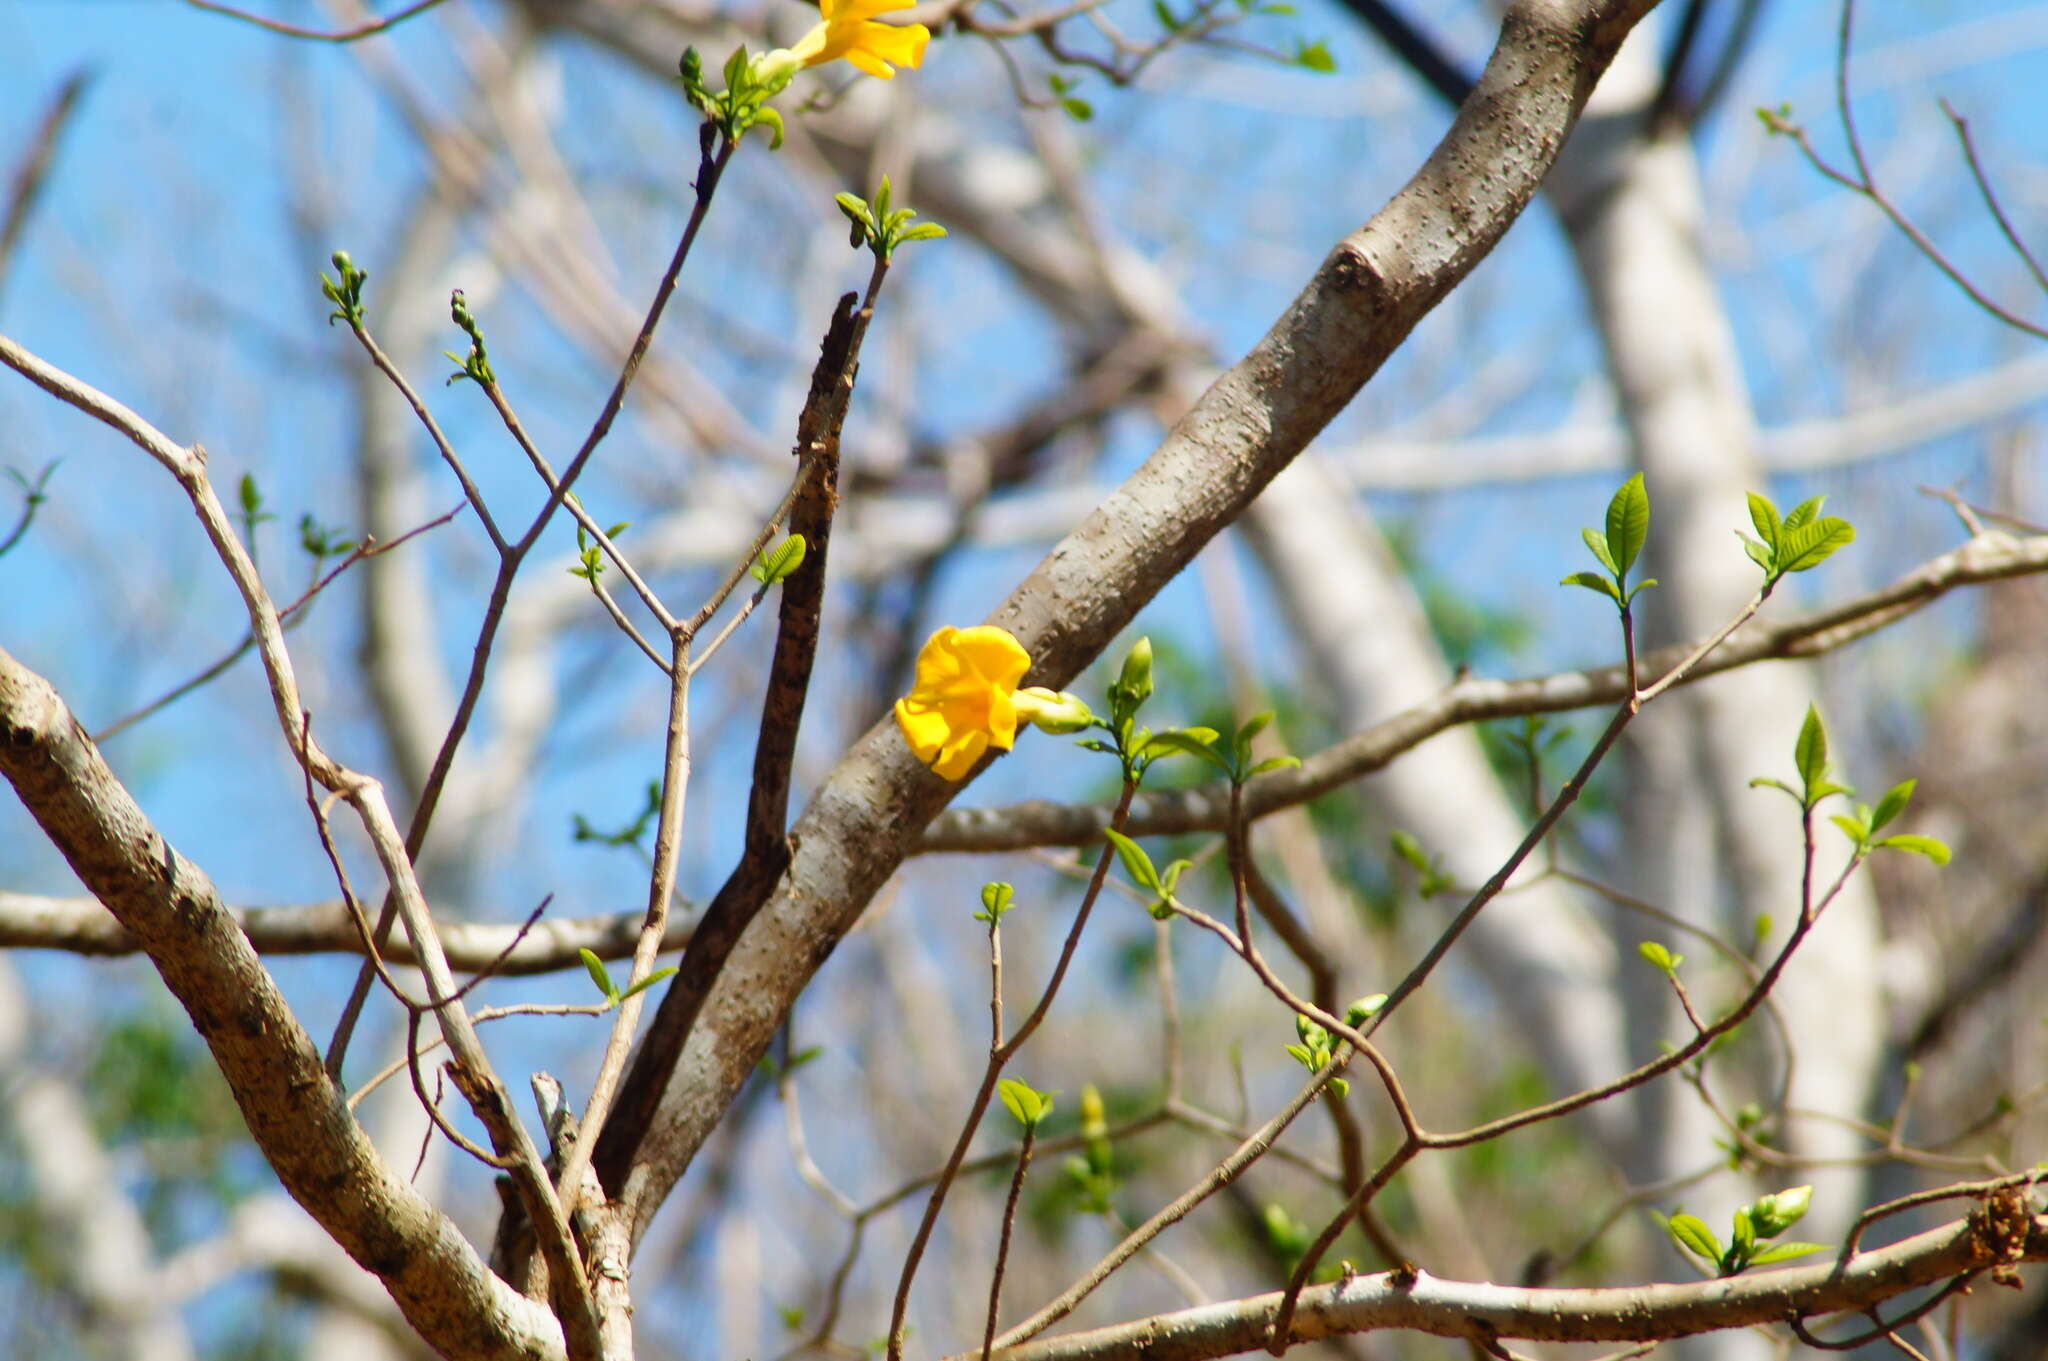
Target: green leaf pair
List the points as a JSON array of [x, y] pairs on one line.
[[1145, 875], [602, 977], [996, 899], [777, 564], [1027, 1105]]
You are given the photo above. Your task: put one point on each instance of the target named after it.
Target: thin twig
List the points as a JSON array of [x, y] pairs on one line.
[[343, 35]]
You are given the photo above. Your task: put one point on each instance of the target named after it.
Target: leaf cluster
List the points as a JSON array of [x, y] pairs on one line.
[[1318, 1051], [880, 227], [611, 991], [1863, 823], [742, 105], [475, 365], [1799, 542], [1752, 1226], [346, 295]]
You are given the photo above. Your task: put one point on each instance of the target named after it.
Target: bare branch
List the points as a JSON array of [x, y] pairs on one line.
[[1484, 1313]]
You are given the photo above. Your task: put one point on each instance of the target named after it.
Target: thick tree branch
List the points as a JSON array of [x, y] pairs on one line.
[[1484, 1314], [1990, 557], [295, 1114]]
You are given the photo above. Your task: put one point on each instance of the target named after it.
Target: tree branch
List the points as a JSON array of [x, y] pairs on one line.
[[1484, 1313], [295, 1114], [1990, 557]]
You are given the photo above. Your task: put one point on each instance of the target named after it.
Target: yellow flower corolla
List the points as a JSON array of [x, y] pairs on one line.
[[849, 31], [965, 699]]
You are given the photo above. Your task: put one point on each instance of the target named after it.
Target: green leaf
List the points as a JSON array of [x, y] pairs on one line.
[[1273, 763], [1892, 804], [1785, 1252], [1315, 57], [1758, 553], [1853, 828], [778, 564], [923, 231], [1745, 1236], [1766, 782], [595, 968], [1241, 740], [802, 1057], [1804, 512], [1628, 523], [1168, 20], [1812, 544], [1691, 1233], [1080, 110], [1185, 742], [996, 899], [1597, 542], [1933, 849], [1137, 864], [1409, 849], [1593, 581], [1660, 957], [644, 984], [1764, 516], [770, 119], [1028, 1106], [1364, 1009], [1810, 752], [1645, 584]]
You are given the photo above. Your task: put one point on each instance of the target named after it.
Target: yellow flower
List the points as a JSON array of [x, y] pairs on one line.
[[849, 30], [965, 699]]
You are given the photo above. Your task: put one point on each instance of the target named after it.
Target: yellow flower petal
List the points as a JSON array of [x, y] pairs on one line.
[[993, 653], [925, 730], [861, 61], [964, 699], [900, 46], [960, 755]]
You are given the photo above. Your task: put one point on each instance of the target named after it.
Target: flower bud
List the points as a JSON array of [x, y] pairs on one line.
[[1053, 712], [1773, 1214], [1136, 678]]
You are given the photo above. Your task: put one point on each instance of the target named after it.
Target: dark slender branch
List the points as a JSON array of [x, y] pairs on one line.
[[1423, 55], [995, 1283], [26, 185], [1668, 100], [766, 850]]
